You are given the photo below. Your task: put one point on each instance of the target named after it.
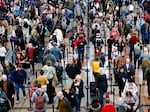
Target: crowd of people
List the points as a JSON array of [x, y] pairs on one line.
[[123, 26]]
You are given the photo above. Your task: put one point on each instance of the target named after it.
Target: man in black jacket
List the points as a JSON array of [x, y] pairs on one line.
[[72, 69], [8, 87], [101, 84]]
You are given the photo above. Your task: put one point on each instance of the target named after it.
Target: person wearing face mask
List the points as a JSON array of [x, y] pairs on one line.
[[4, 104], [77, 86], [63, 103]]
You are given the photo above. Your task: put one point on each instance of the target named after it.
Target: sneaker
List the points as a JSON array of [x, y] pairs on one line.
[[17, 101], [25, 97]]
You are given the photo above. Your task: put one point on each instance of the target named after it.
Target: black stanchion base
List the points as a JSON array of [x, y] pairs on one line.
[[87, 109], [30, 109]]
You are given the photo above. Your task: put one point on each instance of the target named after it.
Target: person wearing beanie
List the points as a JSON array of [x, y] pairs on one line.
[[108, 107]]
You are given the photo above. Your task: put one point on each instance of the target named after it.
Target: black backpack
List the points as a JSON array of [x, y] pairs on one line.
[[54, 38], [68, 104], [25, 25]]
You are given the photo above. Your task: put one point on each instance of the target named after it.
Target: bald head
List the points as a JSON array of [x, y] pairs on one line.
[[60, 95], [4, 78], [127, 60], [145, 49]]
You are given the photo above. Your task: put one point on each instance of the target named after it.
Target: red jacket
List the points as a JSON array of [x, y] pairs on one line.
[[32, 89], [133, 40], [147, 17], [2, 4], [115, 34], [31, 52], [108, 108], [77, 41]]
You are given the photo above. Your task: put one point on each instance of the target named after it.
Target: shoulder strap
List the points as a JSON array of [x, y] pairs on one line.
[[39, 94], [68, 104]]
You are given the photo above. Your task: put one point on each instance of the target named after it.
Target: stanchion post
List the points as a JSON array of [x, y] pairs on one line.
[[88, 54], [113, 96], [104, 36], [67, 55], [140, 95], [30, 108], [53, 108], [111, 88], [36, 75], [12, 59], [69, 50]]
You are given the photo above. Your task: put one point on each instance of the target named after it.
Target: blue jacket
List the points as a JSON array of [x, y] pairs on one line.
[[56, 52], [19, 76]]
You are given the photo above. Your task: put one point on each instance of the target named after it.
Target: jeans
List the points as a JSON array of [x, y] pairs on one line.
[[143, 70], [81, 53], [101, 91], [145, 38], [78, 102], [32, 64], [17, 86], [27, 70]]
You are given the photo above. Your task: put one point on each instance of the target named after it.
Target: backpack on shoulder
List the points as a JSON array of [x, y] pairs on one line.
[[145, 62], [68, 104], [39, 101], [4, 105], [25, 25]]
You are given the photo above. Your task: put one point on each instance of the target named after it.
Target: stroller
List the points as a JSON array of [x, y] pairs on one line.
[[95, 104]]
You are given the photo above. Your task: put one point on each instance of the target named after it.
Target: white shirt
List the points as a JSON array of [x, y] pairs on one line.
[[127, 66], [2, 51]]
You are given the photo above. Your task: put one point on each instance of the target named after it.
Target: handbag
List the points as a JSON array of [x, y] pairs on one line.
[[14, 38]]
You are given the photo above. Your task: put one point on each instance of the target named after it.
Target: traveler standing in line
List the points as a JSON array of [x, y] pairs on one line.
[[31, 54], [25, 61], [19, 76], [101, 85], [2, 54], [4, 104], [8, 87], [50, 72], [144, 59], [56, 52], [39, 100], [8, 67], [63, 103], [72, 69], [130, 102], [108, 107], [77, 86], [137, 53], [43, 80], [147, 77]]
